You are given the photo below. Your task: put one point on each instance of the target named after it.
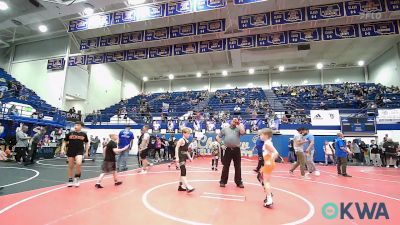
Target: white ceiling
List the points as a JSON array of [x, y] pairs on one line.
[[345, 52]]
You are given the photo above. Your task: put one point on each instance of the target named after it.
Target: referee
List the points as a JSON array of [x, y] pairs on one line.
[[231, 138]]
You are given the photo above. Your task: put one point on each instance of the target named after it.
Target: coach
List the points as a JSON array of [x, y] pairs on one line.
[[231, 138]]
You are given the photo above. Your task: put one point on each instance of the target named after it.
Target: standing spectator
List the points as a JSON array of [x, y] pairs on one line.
[[298, 144], [391, 152], [94, 145], [365, 153], [309, 150], [22, 144], [341, 153], [231, 138], [355, 148], [291, 154], [329, 151], [125, 138], [375, 154], [34, 145]]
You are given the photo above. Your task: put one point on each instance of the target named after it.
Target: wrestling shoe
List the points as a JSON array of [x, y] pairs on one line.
[[260, 178], [98, 186], [180, 188], [268, 202], [76, 182]]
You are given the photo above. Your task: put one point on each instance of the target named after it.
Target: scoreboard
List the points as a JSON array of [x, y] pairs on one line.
[[358, 125]]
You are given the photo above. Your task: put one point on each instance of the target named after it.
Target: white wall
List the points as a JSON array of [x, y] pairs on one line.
[[131, 85], [194, 84], [157, 86], [41, 49], [4, 58], [244, 81], [355, 74], [105, 86], [77, 81], [34, 75], [296, 78], [386, 68]]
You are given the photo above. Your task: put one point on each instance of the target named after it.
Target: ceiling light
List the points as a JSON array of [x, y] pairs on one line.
[[3, 6], [69, 97], [320, 66], [228, 86], [183, 88], [251, 71], [281, 68], [250, 84], [171, 76], [145, 79], [135, 2], [275, 83], [337, 80], [198, 74], [42, 28], [361, 63], [224, 73], [305, 82], [88, 11]]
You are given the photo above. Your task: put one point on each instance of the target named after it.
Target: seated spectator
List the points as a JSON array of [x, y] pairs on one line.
[[72, 110], [236, 110], [13, 111]]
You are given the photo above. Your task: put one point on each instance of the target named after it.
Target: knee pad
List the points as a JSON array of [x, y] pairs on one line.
[[183, 170]]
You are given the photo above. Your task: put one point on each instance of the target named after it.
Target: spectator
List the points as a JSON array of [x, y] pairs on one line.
[[22, 144], [236, 110], [341, 153], [391, 152], [365, 153], [13, 110], [291, 154], [375, 154], [355, 148], [329, 151], [72, 110]]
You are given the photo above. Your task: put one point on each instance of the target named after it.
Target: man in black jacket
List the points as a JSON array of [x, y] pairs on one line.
[[391, 152]]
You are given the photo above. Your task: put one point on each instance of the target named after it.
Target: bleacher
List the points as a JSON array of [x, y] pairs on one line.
[[14, 91], [347, 97]]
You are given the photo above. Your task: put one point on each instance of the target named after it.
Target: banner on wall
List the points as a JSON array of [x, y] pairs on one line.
[[325, 117], [56, 64], [388, 116]]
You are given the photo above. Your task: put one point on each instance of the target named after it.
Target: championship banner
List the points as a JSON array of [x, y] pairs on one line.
[[89, 43], [180, 7], [241, 2], [144, 12], [388, 116], [242, 42], [393, 5], [77, 60], [265, 40], [322, 12], [92, 22], [213, 45], [110, 40], [136, 54], [204, 5], [288, 16], [209, 27], [304, 36], [158, 52], [132, 37], [183, 30], [358, 7], [56, 64], [157, 34], [379, 28], [325, 117], [256, 20], [186, 49], [95, 59], [340, 32], [118, 56]]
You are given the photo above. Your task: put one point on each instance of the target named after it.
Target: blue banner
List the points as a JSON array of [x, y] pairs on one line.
[[117, 56], [95, 59], [110, 40], [264, 40], [163, 51], [303, 36], [242, 42], [78, 25], [241, 2], [77, 60], [132, 37], [136, 54], [144, 12], [186, 49], [379, 28], [213, 26], [288, 16], [358, 7], [321, 12], [182, 30], [89, 43], [157, 34], [56, 64], [180, 7], [203, 5], [340, 32], [393, 5], [256, 20], [213, 45]]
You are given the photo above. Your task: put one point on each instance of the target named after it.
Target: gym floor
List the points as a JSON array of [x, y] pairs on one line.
[[38, 195]]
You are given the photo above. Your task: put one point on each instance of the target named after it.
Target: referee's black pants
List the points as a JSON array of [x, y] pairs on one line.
[[232, 154]]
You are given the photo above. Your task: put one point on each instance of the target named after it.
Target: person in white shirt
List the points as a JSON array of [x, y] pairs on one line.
[[143, 143], [329, 152]]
